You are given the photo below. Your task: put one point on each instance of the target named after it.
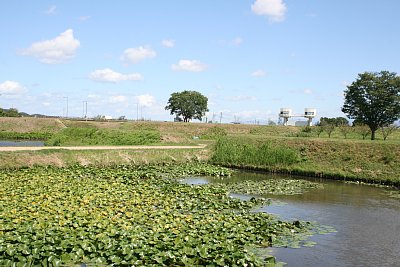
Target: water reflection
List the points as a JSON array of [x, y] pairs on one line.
[[367, 221]]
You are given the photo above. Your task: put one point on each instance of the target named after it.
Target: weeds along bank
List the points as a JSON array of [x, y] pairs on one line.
[[70, 132], [372, 162], [100, 158], [273, 148]]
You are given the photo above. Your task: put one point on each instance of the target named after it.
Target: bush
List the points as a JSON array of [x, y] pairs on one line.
[[93, 136], [239, 152]]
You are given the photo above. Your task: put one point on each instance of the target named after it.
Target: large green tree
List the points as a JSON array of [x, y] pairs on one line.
[[373, 99], [188, 105]]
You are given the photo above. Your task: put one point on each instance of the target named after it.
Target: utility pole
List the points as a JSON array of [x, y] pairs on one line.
[[66, 114], [84, 110], [137, 111], [220, 118]]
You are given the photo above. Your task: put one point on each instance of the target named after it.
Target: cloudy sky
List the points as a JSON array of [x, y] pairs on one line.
[[249, 57]]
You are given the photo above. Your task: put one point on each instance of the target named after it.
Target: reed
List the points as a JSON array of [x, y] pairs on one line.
[[233, 151]]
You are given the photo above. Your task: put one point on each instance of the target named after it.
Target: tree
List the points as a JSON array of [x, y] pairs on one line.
[[188, 105], [328, 128], [335, 121], [345, 129], [319, 130], [388, 130], [362, 129], [373, 99], [12, 112]]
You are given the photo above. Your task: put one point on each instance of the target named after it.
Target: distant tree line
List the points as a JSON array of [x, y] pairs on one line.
[[338, 121], [11, 112]]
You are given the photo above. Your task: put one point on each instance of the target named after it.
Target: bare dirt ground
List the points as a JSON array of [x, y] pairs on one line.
[[11, 149]]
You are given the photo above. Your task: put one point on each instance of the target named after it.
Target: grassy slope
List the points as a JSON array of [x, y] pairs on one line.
[[350, 158], [374, 162]]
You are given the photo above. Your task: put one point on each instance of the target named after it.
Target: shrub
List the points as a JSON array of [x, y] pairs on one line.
[[239, 152], [93, 136]]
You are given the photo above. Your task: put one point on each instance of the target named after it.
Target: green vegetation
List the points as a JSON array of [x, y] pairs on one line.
[[100, 158], [187, 105], [129, 215], [12, 112], [24, 136], [214, 133], [269, 187], [347, 160], [374, 99], [243, 152], [93, 136], [302, 150]]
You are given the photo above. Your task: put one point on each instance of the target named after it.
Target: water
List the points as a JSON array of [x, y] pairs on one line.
[[366, 220], [21, 143]]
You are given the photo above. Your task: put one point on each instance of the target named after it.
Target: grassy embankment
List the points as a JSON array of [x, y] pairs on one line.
[[271, 148], [371, 162]]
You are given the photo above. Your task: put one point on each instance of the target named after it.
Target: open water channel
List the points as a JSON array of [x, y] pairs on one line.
[[21, 143], [366, 219]]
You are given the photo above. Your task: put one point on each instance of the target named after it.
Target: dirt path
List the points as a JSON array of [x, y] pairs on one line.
[[20, 148]]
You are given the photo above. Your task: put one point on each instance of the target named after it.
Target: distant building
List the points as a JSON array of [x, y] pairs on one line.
[[286, 113]]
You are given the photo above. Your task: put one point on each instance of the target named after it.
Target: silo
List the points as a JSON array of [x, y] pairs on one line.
[[310, 113]]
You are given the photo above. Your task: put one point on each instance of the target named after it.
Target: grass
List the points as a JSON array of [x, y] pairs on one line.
[[242, 152], [93, 136], [372, 162], [273, 148], [100, 158], [24, 136]]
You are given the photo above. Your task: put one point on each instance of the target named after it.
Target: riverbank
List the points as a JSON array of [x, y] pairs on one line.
[[101, 158], [370, 162], [302, 152]]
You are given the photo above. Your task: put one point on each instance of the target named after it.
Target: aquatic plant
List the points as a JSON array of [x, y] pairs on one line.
[[271, 187], [128, 215]]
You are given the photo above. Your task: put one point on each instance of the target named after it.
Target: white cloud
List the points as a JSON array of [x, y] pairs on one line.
[[189, 65], [84, 18], [137, 54], [258, 73], [11, 88], [237, 41], [93, 96], [242, 98], [145, 100], [274, 9], [168, 43], [51, 10], [57, 50], [108, 75], [118, 99], [307, 91]]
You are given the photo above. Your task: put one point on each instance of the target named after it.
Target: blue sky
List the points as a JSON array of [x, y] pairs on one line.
[[249, 57]]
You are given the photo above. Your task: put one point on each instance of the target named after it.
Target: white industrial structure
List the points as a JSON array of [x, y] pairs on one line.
[[309, 113]]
